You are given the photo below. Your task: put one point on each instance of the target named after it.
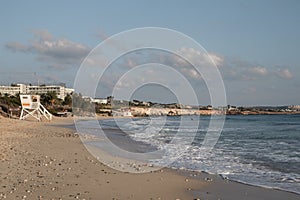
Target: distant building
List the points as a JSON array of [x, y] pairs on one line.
[[110, 99], [61, 91], [231, 108], [100, 100], [294, 107], [13, 89], [147, 104], [209, 107], [135, 102]]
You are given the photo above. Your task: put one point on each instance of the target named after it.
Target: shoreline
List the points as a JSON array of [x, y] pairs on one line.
[[189, 170], [186, 171], [27, 149]]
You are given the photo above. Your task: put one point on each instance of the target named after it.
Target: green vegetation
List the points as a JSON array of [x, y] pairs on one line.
[[9, 105], [68, 100], [75, 103]]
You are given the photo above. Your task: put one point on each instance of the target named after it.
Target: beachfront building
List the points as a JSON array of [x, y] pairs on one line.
[[13, 89], [60, 90]]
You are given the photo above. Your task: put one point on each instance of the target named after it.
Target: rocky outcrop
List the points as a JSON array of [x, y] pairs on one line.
[[137, 111]]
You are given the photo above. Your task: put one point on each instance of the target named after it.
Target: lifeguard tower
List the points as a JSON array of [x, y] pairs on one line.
[[31, 106]]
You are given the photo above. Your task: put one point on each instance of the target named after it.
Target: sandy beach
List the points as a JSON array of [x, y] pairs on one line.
[[41, 161]]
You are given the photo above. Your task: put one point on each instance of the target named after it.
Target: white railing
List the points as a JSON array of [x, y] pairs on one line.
[[45, 112]]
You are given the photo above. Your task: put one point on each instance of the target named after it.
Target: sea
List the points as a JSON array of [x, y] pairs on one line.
[[261, 150]]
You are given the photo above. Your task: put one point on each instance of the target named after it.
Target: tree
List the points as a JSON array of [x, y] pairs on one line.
[[49, 98], [15, 100], [68, 100]]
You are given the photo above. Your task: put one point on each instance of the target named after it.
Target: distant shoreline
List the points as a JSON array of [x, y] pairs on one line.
[[142, 112]]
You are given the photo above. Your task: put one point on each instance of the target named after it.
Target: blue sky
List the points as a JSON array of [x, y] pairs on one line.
[[257, 41]]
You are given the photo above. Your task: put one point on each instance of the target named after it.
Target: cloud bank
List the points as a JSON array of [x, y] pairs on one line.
[[58, 53]]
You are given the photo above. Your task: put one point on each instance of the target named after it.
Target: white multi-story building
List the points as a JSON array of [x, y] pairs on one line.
[[60, 91], [13, 89]]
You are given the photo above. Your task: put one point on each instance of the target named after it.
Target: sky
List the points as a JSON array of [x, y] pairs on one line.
[[255, 44]]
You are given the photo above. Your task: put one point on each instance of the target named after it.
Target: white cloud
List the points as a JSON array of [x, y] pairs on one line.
[[284, 74], [54, 52], [259, 70], [190, 56], [217, 59], [192, 73], [61, 48], [199, 57]]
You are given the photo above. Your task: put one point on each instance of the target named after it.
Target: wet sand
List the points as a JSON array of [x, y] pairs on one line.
[[39, 161]]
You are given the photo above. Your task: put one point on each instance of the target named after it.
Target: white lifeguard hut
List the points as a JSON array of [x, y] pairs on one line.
[[31, 106]]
